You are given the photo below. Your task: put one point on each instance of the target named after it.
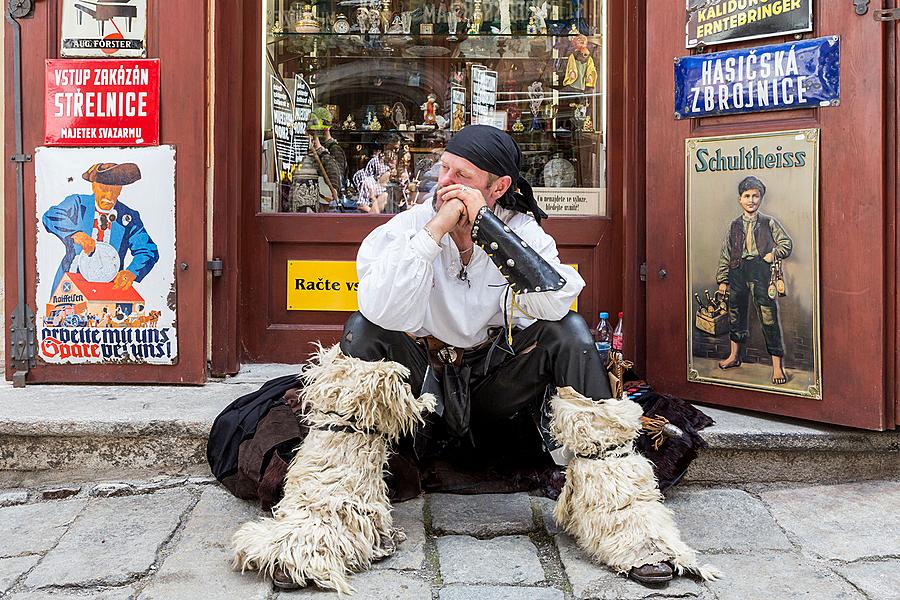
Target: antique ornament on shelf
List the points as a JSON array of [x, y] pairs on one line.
[[308, 23], [396, 26], [535, 99], [371, 123], [477, 19], [532, 27], [349, 124], [540, 17], [398, 115], [362, 19], [588, 124], [426, 29], [429, 112], [580, 70], [385, 15], [452, 22], [459, 117], [573, 28], [579, 113], [505, 18], [406, 21], [518, 126], [341, 25], [559, 173]]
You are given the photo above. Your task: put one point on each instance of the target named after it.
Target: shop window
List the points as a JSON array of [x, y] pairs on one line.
[[381, 85]]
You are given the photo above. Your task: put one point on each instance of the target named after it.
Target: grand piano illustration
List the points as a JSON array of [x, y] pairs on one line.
[[104, 10]]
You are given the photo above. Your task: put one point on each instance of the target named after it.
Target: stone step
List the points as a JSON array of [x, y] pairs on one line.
[[59, 428]]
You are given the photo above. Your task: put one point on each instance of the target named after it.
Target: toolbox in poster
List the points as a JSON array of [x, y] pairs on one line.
[[804, 74], [96, 102], [719, 21]]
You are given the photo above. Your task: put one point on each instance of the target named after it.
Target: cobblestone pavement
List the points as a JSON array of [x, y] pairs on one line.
[[168, 538]]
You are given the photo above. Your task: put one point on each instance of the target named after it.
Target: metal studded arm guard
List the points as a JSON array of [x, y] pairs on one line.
[[519, 263]]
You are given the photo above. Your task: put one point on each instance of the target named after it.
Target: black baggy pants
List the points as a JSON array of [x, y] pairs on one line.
[[559, 353]]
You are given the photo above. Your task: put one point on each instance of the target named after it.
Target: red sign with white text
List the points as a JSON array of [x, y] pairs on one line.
[[102, 102]]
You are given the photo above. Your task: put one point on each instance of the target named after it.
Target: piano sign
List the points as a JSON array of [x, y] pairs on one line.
[[94, 102], [104, 28]]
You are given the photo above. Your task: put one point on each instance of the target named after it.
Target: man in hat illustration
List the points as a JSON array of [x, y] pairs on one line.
[[754, 241], [82, 220]]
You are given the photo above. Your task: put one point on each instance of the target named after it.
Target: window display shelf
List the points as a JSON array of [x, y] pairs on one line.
[[543, 83]]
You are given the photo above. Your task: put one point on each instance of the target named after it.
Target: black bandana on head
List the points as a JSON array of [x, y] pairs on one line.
[[496, 152]]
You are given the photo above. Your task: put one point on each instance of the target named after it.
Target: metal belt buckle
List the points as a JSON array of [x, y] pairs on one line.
[[447, 354]]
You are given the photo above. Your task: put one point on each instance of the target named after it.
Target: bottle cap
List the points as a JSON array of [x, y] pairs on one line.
[[604, 315]]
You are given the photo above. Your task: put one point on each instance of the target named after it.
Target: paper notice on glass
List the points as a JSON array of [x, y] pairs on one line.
[[282, 126], [484, 95], [303, 103]]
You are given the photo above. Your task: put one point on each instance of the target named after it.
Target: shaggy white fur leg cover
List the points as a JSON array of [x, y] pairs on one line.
[[335, 518], [611, 504]]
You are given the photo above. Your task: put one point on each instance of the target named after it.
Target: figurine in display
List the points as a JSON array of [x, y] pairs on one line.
[[387, 121], [588, 124], [362, 19], [535, 99], [396, 26], [580, 70], [532, 27], [518, 126], [308, 23], [573, 29], [406, 21], [540, 17], [459, 118], [398, 115], [579, 114], [385, 15], [370, 122], [442, 12], [452, 22], [429, 112], [349, 124], [477, 19], [373, 23], [505, 18]]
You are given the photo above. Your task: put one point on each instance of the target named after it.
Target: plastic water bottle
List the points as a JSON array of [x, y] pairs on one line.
[[603, 337], [617, 341]]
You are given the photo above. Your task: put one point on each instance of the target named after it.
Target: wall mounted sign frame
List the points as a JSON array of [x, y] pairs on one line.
[[104, 28], [712, 22], [804, 74], [753, 310], [101, 102]]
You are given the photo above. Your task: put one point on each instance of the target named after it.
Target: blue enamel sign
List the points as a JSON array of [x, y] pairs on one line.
[[804, 74]]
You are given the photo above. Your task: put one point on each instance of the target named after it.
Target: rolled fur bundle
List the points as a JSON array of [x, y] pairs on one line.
[[610, 503], [335, 517]]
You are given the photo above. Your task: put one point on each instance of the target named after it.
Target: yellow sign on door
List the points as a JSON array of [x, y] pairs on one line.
[[322, 285], [328, 285]]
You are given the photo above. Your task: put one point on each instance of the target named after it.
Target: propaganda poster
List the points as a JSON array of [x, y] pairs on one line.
[[106, 255], [752, 262]]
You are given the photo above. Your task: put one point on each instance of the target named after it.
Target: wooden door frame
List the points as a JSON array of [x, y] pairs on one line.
[[183, 124], [892, 143], [235, 183], [845, 375]]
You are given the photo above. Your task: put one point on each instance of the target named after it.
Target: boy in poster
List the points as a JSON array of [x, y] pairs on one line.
[[753, 243]]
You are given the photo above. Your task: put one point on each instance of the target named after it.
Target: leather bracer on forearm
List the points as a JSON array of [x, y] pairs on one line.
[[519, 263]]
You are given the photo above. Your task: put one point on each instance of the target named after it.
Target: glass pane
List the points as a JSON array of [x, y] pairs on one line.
[[364, 94]]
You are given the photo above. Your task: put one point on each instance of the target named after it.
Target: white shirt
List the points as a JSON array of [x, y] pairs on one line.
[[409, 283]]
